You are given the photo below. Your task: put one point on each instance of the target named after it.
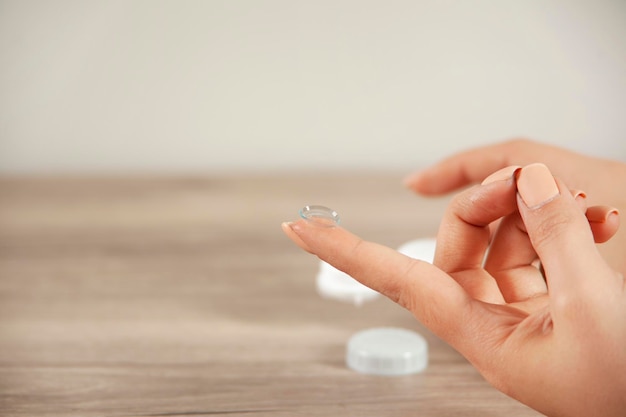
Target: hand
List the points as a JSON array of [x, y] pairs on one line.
[[558, 348], [603, 180]]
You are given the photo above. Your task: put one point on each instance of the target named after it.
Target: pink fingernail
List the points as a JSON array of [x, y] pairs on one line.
[[536, 185], [579, 195], [501, 175], [411, 178], [592, 216]]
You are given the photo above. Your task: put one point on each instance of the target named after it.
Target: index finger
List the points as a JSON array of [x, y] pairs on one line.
[[434, 298]]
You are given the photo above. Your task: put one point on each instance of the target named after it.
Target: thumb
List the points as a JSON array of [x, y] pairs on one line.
[[559, 233]]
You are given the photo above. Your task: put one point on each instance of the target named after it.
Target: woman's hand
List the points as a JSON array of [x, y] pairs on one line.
[[552, 337], [603, 180]]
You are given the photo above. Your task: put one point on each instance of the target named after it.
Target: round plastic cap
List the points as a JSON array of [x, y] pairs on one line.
[[387, 351], [422, 249], [332, 283]]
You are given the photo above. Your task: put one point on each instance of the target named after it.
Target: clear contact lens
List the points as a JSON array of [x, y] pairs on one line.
[[320, 215]]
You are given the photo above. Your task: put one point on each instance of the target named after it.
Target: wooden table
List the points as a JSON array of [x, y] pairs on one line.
[[179, 296]]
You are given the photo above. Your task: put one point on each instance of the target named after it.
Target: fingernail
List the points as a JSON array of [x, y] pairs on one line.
[[290, 230], [536, 185], [612, 214], [501, 175], [579, 195], [411, 178], [600, 216]]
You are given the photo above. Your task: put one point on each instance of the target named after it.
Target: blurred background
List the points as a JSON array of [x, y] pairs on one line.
[[278, 85]]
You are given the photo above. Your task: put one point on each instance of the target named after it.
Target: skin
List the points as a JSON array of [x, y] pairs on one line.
[[557, 347], [603, 180]]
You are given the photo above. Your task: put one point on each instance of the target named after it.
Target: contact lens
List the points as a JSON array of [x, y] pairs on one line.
[[320, 215]]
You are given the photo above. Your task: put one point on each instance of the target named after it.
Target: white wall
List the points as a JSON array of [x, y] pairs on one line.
[[278, 84]]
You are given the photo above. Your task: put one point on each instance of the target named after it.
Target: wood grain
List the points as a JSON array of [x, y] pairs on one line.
[[179, 296]]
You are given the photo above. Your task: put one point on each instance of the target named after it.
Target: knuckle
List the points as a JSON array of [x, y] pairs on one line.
[[405, 295], [552, 225], [357, 247], [584, 305], [467, 206], [572, 307]]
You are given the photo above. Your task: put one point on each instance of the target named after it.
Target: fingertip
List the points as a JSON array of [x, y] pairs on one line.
[[290, 229], [504, 174], [536, 185], [604, 222], [602, 214], [579, 195], [612, 223], [415, 181], [613, 219], [581, 199], [436, 180]]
